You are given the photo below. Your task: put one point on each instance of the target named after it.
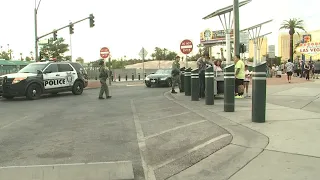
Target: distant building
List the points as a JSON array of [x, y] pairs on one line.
[[284, 45], [263, 48]]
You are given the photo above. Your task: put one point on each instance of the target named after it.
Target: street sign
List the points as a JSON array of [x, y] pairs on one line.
[[186, 46], [104, 52], [143, 53], [43, 41], [271, 51]]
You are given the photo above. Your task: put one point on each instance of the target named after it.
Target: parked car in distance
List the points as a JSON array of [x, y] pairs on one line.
[[162, 77]]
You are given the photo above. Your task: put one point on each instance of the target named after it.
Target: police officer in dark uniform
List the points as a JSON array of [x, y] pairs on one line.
[[202, 63], [175, 75], [103, 76]]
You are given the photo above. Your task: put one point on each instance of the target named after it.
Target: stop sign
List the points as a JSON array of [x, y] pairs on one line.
[[186, 46], [104, 52]]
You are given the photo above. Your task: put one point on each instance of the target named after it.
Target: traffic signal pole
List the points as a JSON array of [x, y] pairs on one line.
[[36, 35], [91, 18], [56, 30], [36, 7]]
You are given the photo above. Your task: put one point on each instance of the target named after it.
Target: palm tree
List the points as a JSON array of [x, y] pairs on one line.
[[292, 25]]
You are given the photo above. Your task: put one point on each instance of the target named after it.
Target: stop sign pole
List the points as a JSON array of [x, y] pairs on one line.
[[186, 48], [104, 54]]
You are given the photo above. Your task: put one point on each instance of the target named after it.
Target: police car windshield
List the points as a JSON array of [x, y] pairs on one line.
[[32, 68], [163, 71]]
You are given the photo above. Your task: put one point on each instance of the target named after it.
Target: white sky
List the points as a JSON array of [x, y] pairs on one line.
[[125, 26]]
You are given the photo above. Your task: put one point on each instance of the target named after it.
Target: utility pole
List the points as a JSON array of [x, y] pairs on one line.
[[36, 7], [236, 32]]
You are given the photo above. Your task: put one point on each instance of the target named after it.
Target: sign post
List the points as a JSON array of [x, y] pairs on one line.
[[104, 54], [186, 48], [143, 53]]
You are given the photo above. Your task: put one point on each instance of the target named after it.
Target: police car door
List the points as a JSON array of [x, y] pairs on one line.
[[51, 77], [68, 73]]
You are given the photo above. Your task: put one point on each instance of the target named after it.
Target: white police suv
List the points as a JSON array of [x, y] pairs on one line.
[[43, 78]]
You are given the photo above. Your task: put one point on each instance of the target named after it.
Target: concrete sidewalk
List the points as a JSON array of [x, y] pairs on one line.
[[286, 147]]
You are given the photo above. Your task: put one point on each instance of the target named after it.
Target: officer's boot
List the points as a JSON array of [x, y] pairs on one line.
[[181, 91], [173, 91]]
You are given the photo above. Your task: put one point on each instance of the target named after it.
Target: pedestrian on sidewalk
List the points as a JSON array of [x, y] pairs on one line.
[[202, 63], [103, 76], [307, 70], [175, 74], [239, 76], [247, 80], [289, 69]]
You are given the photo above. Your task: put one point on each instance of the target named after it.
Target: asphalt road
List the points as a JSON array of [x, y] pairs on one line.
[[138, 124]]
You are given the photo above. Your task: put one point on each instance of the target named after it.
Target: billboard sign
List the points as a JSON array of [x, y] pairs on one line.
[[208, 36], [310, 48]]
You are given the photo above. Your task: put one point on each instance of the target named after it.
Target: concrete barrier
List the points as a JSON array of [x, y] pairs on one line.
[[120, 170]]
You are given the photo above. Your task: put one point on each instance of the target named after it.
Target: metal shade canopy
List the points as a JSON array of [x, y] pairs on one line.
[[256, 26], [225, 10]]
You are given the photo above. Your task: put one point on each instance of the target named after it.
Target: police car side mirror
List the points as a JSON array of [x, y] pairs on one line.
[[39, 72]]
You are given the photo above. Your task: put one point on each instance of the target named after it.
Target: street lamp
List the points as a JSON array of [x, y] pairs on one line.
[[36, 7]]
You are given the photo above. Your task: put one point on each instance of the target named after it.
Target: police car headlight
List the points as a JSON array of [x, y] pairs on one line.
[[147, 78], [17, 80], [164, 78]]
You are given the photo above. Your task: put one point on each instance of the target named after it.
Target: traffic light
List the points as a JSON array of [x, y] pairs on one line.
[[243, 48], [54, 35], [91, 18], [71, 29]]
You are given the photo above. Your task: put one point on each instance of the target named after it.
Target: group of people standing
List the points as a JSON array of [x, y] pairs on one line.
[[242, 74], [301, 69]]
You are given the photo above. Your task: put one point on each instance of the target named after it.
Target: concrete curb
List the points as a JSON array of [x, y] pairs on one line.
[[120, 170], [246, 145]]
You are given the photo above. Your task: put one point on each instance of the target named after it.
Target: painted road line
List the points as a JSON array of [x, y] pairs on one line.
[[181, 155], [13, 122], [148, 170], [176, 128], [121, 170], [173, 115]]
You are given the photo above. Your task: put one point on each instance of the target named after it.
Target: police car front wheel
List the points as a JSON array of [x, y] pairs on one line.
[[77, 88], [33, 92]]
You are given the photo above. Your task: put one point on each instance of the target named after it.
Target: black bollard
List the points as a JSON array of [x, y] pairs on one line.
[[145, 75], [126, 77], [182, 70], [132, 77], [259, 85], [139, 76], [187, 82], [209, 89], [112, 77], [229, 88], [195, 85], [119, 77]]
